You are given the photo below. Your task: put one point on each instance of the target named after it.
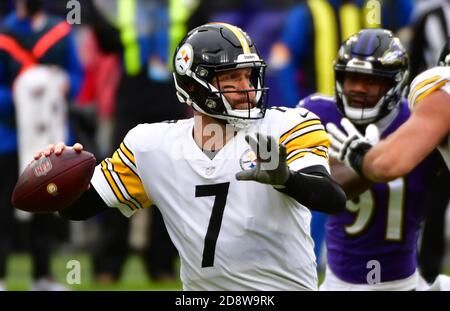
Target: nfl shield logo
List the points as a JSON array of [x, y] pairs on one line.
[[42, 166]]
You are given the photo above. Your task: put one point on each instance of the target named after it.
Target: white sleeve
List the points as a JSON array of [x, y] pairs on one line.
[[427, 82], [305, 139], [117, 181]]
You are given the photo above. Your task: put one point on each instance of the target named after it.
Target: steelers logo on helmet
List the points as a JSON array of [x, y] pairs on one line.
[[248, 160], [184, 58]]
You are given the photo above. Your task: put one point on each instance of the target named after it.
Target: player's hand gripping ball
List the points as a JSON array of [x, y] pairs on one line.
[[54, 182]]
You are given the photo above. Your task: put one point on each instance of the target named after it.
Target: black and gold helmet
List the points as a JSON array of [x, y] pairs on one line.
[[375, 52], [208, 50]]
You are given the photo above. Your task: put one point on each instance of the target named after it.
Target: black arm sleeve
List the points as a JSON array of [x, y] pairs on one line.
[[88, 205], [314, 188]]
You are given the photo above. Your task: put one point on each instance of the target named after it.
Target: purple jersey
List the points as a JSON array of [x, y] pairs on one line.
[[384, 224]]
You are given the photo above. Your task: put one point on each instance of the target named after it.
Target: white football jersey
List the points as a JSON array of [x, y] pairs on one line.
[[429, 81], [230, 234]]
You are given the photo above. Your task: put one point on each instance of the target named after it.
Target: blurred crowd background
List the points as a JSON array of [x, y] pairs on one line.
[[115, 56]]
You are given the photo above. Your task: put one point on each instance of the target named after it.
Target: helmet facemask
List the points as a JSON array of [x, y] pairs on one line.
[[212, 100], [386, 99]]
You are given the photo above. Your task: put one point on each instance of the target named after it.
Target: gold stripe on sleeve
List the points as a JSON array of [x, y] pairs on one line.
[[128, 153], [130, 181], [421, 85], [310, 140], [298, 127], [429, 91], [115, 188]]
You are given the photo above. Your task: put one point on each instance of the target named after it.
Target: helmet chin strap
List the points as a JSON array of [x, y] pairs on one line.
[[240, 124], [369, 115], [361, 115]]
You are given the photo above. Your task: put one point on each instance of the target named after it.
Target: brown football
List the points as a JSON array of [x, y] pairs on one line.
[[53, 183]]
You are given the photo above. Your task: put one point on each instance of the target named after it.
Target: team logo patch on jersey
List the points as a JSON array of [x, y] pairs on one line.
[[42, 167], [184, 58], [248, 160]]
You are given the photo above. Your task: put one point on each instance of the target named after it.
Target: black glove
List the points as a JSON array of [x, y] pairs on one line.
[[271, 167]]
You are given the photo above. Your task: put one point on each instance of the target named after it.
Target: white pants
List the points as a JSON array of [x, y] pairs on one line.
[[442, 283]]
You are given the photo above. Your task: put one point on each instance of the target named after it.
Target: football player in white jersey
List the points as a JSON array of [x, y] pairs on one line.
[[427, 129], [235, 182]]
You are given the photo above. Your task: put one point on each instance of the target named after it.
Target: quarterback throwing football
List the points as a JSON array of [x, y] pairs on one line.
[[235, 183]]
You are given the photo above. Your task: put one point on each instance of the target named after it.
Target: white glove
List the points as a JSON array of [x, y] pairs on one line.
[[351, 147]]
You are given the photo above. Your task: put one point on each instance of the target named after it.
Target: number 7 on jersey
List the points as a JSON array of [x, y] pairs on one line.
[[220, 191]]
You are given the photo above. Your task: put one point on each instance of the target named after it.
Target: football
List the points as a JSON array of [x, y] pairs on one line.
[[53, 183]]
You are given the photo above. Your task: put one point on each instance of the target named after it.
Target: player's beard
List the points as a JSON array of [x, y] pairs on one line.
[[243, 102], [361, 100]]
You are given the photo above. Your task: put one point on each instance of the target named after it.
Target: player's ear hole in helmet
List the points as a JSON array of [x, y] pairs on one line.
[[209, 50], [380, 55]]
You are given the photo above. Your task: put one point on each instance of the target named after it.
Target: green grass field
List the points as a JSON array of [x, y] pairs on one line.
[[134, 275]]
